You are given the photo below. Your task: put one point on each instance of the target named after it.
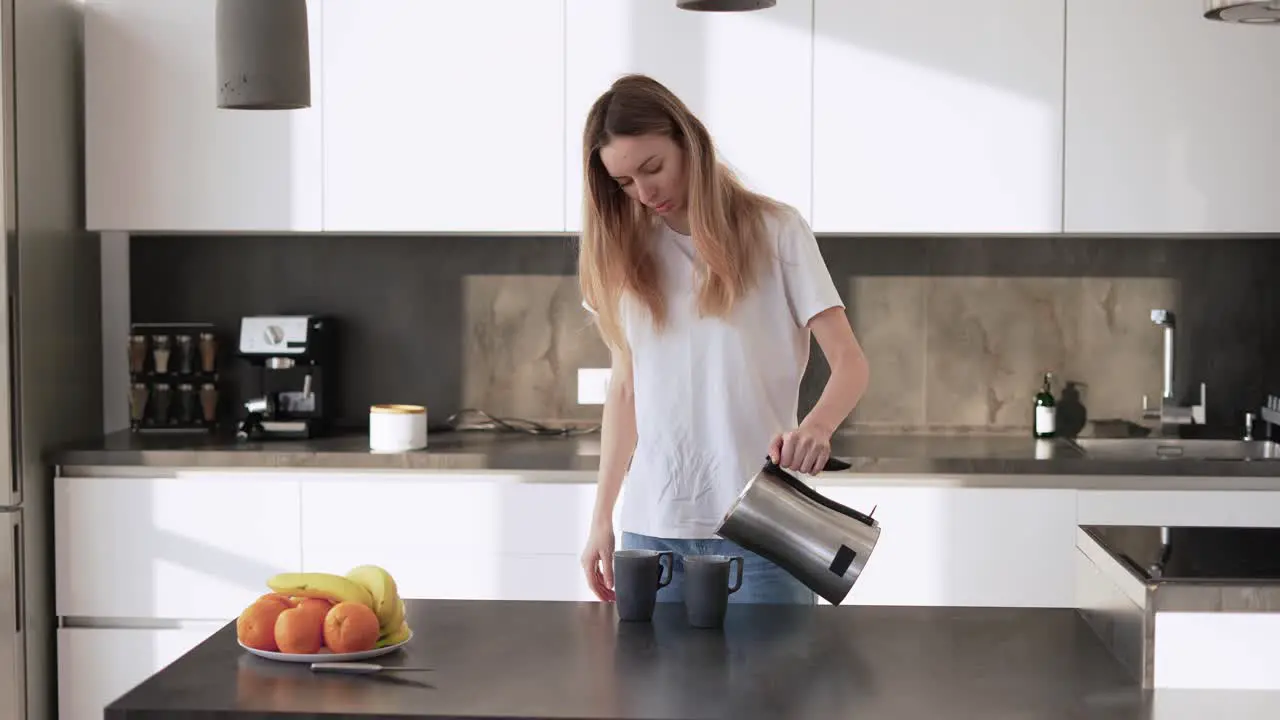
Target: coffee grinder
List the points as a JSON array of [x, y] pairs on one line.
[[290, 383]]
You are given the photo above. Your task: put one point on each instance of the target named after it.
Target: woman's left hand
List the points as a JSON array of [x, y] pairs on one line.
[[804, 450]]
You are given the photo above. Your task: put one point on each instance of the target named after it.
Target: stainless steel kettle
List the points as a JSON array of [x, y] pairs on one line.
[[822, 543]]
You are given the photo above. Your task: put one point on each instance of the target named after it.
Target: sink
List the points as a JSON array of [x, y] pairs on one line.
[[1178, 448]]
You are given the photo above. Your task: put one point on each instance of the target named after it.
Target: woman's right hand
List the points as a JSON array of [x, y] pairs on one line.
[[597, 561]]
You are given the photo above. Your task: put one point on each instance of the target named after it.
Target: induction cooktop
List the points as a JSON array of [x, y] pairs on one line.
[[1193, 552]]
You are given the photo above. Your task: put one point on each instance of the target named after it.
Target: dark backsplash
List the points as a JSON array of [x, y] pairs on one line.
[[958, 329]]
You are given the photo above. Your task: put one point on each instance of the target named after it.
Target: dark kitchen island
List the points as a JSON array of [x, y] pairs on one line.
[[575, 660]]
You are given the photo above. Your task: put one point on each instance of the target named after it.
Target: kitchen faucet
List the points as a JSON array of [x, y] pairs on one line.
[[1170, 413]]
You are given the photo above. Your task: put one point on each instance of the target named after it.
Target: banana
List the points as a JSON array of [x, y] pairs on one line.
[[396, 618], [321, 585], [382, 588], [399, 635]]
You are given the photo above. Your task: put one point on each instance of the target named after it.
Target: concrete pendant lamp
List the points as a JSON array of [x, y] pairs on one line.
[[725, 5], [1246, 12], [264, 55]]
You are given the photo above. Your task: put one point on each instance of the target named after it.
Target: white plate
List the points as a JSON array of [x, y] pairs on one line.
[[325, 655]]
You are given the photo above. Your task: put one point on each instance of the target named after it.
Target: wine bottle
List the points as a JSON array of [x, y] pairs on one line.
[[1045, 410]]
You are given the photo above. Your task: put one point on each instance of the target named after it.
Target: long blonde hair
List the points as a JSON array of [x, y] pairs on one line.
[[615, 257]]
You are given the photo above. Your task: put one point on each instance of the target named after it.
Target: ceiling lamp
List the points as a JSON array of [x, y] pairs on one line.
[[725, 5], [264, 55], [1247, 12]]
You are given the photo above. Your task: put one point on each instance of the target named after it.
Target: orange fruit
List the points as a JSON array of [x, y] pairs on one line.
[[350, 627], [300, 630], [256, 626], [319, 606], [284, 600]]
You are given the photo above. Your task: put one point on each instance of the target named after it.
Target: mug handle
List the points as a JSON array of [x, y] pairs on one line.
[[737, 579], [669, 566]]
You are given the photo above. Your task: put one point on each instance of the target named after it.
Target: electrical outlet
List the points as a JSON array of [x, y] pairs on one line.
[[593, 383]]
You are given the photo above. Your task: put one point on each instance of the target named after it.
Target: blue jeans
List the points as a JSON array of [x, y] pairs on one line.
[[762, 581]]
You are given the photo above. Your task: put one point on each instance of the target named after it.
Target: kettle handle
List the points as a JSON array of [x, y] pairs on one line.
[[836, 465], [833, 464], [773, 469]]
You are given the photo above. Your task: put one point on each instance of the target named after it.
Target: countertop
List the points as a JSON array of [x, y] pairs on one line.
[[994, 460], [504, 659]]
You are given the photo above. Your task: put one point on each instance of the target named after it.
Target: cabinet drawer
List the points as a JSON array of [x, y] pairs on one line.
[[458, 576], [983, 547], [98, 665], [1226, 508], [185, 548], [413, 518]]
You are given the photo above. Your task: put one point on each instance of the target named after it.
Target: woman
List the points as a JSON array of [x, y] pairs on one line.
[[706, 294]]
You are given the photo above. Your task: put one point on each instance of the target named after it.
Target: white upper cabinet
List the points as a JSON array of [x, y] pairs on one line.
[[939, 116], [159, 153], [1171, 120], [747, 76], [928, 117], [443, 115]]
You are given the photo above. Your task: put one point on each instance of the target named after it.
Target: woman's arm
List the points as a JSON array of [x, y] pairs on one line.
[[807, 448], [617, 444], [617, 438], [849, 370]]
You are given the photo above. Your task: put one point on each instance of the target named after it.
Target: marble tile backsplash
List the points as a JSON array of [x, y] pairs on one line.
[[969, 352], [526, 337], [948, 353], [958, 329]]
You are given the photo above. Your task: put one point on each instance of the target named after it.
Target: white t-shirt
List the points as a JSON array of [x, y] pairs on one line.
[[711, 393]]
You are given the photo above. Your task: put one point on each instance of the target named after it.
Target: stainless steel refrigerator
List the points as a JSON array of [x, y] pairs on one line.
[[12, 595], [12, 638], [50, 327]]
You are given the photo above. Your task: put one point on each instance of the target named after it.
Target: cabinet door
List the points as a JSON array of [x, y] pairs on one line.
[[745, 75], [159, 153], [984, 547], [470, 537], [1170, 120], [937, 116], [98, 665], [198, 548], [443, 115]]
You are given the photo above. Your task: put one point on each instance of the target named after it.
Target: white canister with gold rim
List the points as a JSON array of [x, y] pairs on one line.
[[397, 428]]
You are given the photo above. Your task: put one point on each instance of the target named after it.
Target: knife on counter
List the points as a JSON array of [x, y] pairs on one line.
[[356, 668]]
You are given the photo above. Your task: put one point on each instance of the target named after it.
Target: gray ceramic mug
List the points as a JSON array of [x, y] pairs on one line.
[[637, 576], [707, 588]]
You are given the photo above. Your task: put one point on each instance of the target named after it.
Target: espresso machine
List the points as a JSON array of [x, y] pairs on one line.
[[291, 374]]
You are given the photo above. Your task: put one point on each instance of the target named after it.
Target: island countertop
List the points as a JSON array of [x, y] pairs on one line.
[[993, 460], [495, 659]]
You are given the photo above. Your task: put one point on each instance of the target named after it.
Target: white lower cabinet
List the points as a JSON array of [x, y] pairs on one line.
[[98, 665], [181, 548], [195, 549], [995, 547], [137, 551], [454, 537]]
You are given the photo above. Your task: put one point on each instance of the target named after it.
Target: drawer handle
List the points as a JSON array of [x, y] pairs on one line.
[[17, 577]]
